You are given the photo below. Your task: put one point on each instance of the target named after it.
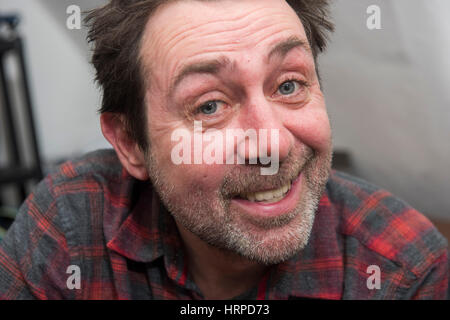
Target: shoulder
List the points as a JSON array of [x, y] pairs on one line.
[[85, 191], [60, 224], [95, 174], [75, 179], [102, 164], [384, 224]]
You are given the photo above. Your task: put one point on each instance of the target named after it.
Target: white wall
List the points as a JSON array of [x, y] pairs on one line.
[[386, 91], [388, 99]]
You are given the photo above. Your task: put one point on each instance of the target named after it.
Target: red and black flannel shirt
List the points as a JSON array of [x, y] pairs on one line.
[[92, 214]]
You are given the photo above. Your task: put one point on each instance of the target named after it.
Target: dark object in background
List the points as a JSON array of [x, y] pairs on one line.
[[16, 173], [342, 161], [7, 216]]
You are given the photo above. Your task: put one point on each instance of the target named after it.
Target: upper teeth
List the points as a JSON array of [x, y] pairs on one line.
[[271, 195]]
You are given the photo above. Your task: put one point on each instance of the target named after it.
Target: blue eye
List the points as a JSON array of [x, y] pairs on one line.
[[209, 107], [288, 87]]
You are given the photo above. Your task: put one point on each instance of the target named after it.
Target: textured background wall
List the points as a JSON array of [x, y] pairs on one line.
[[386, 91]]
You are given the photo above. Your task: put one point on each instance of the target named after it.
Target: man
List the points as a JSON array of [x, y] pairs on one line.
[[166, 215]]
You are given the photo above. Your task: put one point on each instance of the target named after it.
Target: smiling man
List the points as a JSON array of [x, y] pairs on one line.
[[140, 225]]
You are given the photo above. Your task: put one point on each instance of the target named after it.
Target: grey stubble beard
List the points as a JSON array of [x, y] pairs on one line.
[[216, 224]]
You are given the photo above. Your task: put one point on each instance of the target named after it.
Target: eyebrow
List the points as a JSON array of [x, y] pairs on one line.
[[214, 66], [284, 47]]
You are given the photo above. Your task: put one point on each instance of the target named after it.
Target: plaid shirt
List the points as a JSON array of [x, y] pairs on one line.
[[92, 214]]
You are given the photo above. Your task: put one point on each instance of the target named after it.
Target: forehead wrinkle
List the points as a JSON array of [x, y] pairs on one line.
[[212, 38], [207, 66], [185, 32], [245, 24], [220, 44], [215, 65], [186, 29]]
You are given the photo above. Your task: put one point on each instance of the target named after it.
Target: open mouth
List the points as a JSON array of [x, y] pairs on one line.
[[271, 203], [269, 196]]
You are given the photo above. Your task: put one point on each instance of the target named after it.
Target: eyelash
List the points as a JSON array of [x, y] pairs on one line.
[[302, 83], [195, 109]]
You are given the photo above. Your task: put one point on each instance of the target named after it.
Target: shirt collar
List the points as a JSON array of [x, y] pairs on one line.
[[148, 230]]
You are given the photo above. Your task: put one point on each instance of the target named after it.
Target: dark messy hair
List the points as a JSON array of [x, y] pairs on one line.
[[116, 31]]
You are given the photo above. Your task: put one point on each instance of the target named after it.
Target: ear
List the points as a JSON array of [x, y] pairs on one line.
[[130, 155]]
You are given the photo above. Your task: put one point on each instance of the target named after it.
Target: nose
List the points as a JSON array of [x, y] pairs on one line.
[[265, 119]]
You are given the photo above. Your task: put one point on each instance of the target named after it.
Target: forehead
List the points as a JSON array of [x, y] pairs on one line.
[[185, 30]]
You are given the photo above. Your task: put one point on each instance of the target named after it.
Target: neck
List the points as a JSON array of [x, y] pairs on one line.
[[219, 273]]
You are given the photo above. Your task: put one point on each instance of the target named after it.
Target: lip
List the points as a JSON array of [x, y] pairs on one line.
[[285, 205]]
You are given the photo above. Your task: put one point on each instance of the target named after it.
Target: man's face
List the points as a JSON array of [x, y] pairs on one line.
[[237, 65]]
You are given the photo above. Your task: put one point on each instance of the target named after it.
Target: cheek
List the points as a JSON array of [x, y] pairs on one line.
[[187, 178], [312, 127], [184, 177]]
